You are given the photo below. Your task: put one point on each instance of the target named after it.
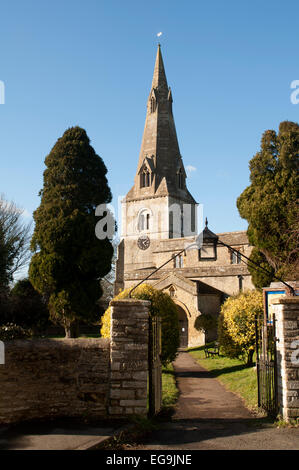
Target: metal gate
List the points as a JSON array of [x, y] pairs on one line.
[[266, 365], [154, 366]]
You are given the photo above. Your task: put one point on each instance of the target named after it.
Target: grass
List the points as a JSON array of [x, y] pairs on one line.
[[292, 423], [233, 373], [170, 391]]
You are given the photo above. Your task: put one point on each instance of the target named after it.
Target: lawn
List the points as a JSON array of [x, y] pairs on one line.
[[170, 391], [232, 373]]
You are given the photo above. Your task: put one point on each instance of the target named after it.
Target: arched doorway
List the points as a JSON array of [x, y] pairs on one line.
[[183, 324]]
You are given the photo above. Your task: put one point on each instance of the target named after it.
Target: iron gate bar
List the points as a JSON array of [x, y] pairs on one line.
[[154, 366], [266, 365], [257, 361]]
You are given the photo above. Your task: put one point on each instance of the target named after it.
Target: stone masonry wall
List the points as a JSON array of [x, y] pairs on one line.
[[54, 378], [80, 378], [287, 332], [129, 357]]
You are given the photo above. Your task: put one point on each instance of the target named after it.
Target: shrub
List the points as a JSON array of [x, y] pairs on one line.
[[28, 308], [161, 305], [205, 322], [11, 331], [236, 327]]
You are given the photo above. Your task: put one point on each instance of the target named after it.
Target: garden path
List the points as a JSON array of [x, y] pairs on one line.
[[209, 417]]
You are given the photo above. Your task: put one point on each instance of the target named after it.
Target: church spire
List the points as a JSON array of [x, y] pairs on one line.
[[159, 77], [160, 169]]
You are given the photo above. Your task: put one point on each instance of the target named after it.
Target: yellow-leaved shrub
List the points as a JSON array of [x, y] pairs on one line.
[[163, 306], [236, 324]]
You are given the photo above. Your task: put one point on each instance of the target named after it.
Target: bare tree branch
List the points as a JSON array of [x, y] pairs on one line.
[[15, 237]]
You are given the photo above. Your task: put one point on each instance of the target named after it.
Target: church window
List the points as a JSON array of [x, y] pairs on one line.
[[153, 104], [170, 224], [144, 220], [235, 257], [178, 261], [141, 222], [181, 261], [145, 179], [193, 219], [240, 278], [172, 291], [180, 179]]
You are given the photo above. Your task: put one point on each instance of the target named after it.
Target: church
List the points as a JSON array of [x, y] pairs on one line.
[[160, 227]]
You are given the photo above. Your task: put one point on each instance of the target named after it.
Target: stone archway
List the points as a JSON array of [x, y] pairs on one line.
[[184, 327]]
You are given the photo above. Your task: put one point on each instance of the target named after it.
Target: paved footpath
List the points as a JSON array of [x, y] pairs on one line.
[[209, 417], [54, 436]]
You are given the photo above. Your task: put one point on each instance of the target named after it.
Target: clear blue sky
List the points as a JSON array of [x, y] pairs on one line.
[[90, 63]]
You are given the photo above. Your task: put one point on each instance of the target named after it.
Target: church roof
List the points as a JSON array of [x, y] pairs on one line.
[[208, 235]]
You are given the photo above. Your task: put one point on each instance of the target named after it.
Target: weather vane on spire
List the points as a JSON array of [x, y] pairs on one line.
[[159, 35]]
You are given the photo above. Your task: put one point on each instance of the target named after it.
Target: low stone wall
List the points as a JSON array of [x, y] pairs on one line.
[[80, 378], [287, 332], [53, 378]]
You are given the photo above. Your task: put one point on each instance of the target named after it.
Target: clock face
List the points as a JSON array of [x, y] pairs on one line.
[[143, 242]]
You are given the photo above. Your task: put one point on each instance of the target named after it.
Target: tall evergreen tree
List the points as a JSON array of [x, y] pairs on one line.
[[270, 203], [69, 260]]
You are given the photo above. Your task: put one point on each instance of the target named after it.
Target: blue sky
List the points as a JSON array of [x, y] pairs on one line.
[[64, 63]]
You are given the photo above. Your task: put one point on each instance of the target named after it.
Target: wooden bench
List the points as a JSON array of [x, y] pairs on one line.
[[212, 350]]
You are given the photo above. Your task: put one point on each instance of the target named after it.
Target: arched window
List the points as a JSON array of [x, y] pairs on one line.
[[141, 222], [172, 291], [153, 104], [180, 179], [144, 220], [145, 178]]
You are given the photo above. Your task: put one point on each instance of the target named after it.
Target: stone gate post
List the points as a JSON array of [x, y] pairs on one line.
[[129, 357], [287, 332]]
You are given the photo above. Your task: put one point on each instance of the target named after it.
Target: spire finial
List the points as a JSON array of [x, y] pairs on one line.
[[159, 78], [206, 221]]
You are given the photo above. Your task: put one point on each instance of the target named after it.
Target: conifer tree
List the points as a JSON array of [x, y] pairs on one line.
[[270, 203], [69, 260]]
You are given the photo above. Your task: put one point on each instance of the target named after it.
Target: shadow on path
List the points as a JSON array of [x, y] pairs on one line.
[[209, 417], [64, 434]]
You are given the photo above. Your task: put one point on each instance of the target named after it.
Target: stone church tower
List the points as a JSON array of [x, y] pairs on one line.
[[159, 220]]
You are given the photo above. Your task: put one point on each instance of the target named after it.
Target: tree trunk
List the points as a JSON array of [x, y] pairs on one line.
[[250, 358], [72, 329]]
